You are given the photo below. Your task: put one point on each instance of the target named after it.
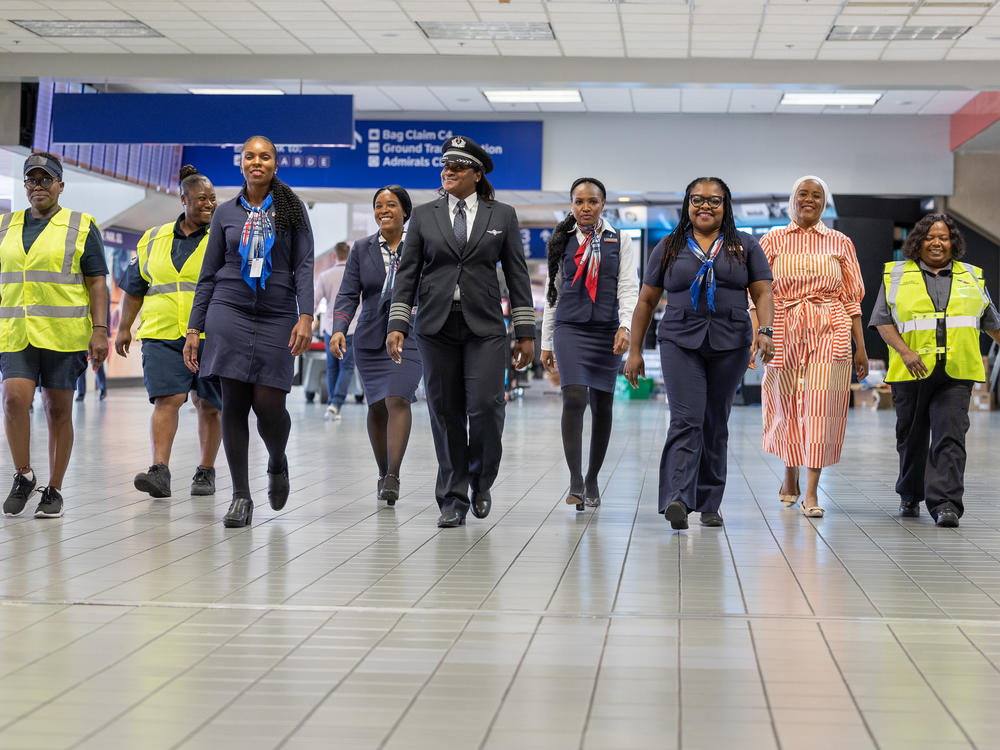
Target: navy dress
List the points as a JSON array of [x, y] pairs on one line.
[[364, 277], [584, 336], [704, 355], [247, 330]]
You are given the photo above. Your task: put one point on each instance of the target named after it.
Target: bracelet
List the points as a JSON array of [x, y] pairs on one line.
[[100, 325], [766, 331], [193, 330]]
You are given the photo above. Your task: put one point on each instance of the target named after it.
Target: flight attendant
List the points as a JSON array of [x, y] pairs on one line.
[[253, 303], [161, 282], [53, 312], [707, 268], [592, 293], [451, 252], [389, 387]]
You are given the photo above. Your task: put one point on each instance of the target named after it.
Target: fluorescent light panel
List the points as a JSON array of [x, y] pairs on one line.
[[831, 98], [533, 96], [893, 33], [100, 29], [528, 31], [238, 92]]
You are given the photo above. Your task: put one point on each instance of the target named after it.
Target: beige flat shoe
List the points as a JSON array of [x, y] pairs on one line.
[[811, 512], [788, 500]]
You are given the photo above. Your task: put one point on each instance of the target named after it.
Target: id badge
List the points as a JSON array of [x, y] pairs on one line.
[[256, 266]]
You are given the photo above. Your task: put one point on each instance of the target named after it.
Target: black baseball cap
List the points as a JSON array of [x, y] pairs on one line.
[[46, 162]]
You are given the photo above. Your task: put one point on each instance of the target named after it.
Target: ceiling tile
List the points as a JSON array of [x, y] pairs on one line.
[[656, 100]]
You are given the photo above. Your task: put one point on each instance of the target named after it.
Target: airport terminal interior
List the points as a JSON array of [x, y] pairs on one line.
[[341, 621]]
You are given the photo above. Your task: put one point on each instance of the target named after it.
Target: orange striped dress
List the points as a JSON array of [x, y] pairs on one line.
[[817, 289]]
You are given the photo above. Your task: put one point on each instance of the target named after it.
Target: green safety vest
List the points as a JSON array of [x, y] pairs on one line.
[[168, 301], [44, 300], [917, 320]]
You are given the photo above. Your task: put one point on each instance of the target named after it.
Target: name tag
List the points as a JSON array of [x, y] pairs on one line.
[[256, 267]]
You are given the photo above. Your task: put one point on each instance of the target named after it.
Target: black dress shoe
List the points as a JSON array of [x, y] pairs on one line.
[[947, 519], [450, 519], [378, 487], [390, 489], [909, 510], [711, 519], [277, 488], [677, 514], [240, 513], [481, 503]]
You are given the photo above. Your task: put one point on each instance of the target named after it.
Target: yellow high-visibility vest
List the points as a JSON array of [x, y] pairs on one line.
[[168, 301], [44, 300], [917, 320]]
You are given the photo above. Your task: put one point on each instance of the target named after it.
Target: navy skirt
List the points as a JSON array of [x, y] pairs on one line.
[[382, 377], [246, 347], [585, 355]]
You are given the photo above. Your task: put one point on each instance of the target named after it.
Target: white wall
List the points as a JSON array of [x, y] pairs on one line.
[[330, 225], [855, 154]]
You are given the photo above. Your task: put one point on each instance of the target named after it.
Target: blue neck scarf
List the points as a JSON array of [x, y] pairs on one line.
[[257, 240], [706, 273]]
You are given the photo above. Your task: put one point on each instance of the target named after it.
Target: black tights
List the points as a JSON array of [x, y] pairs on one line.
[[389, 423], [273, 425], [575, 399]]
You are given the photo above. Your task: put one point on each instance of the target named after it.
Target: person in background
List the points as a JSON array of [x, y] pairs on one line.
[[161, 282], [451, 254], [339, 370], [592, 291], [817, 312], [101, 378], [707, 268], [53, 315], [930, 310], [252, 302], [391, 388]]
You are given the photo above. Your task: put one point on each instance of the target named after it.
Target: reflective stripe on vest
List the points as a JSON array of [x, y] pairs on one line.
[[44, 300], [917, 320], [168, 300]]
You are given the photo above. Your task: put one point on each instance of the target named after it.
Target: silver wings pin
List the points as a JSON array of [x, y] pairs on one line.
[[494, 232]]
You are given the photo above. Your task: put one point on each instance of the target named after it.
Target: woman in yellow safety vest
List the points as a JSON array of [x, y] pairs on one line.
[[53, 314], [930, 310]]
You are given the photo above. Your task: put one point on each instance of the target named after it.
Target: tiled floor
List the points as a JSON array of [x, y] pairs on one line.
[[134, 623]]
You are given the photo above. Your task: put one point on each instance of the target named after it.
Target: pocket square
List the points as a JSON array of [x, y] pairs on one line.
[[494, 232]]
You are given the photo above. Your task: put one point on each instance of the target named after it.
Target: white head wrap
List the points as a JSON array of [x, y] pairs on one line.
[[827, 200]]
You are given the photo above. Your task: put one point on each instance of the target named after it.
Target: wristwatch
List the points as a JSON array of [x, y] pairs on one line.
[[766, 330]]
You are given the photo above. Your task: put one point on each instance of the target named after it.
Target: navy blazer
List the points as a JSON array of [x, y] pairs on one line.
[[729, 326], [364, 276], [432, 265]]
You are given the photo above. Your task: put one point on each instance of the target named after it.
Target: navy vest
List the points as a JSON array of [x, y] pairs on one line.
[[575, 305]]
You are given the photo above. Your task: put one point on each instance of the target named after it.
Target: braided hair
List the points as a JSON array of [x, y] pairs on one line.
[[560, 236], [189, 177], [677, 239], [289, 211]]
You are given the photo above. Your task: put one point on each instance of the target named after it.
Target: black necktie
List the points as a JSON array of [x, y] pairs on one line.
[[459, 226]]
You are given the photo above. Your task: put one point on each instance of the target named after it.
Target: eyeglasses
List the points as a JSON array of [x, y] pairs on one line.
[[44, 182], [713, 201]]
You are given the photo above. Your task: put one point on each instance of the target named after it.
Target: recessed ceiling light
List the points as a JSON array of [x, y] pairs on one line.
[[528, 31], [236, 92], [128, 28], [533, 96], [831, 98], [895, 33], [624, 199]]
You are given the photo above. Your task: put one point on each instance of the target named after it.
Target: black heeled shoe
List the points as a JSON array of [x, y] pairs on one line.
[[390, 489], [378, 487], [277, 487], [240, 513]]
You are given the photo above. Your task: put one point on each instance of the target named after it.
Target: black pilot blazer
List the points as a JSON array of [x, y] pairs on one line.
[[364, 275], [432, 265]]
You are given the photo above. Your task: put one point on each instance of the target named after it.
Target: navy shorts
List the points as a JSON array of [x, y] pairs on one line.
[[45, 367], [165, 374]]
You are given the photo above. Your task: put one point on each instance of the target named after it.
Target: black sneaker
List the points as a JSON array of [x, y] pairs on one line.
[[156, 481], [51, 505], [19, 494], [203, 482]]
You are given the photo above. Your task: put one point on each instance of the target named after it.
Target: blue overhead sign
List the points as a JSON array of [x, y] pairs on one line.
[[182, 119], [391, 152]]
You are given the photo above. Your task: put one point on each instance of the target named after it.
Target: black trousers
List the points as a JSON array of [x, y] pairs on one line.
[[932, 417], [701, 384], [464, 377]]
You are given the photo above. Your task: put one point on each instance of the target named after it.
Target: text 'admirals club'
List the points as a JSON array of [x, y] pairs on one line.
[[412, 147]]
